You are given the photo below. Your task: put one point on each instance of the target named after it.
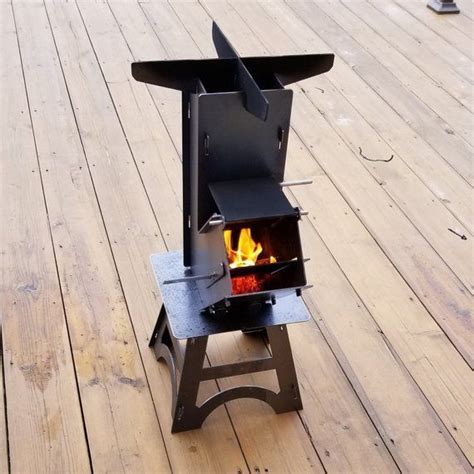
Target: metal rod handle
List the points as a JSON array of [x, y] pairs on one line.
[[218, 220], [284, 184], [190, 278]]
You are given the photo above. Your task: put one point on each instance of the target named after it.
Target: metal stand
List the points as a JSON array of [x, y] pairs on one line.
[[185, 413], [180, 318], [443, 6]]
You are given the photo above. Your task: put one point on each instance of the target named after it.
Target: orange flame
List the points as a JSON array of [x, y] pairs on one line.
[[247, 249]]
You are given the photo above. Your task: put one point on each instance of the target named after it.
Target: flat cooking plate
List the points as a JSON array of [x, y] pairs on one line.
[[247, 199], [183, 305]]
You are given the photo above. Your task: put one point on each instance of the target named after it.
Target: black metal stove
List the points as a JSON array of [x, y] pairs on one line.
[[242, 265]]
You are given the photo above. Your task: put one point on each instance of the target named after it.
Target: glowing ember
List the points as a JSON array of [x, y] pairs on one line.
[[247, 249], [245, 284]]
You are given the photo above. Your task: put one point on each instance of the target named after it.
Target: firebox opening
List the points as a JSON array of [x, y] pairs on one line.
[[264, 255]]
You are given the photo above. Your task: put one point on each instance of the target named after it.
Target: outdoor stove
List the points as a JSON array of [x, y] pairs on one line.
[[242, 267]]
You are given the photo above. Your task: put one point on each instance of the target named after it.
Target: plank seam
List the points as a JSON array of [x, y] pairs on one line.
[[3, 379], [446, 432]]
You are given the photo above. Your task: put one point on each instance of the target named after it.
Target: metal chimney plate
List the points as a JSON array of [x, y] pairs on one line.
[[183, 305], [247, 199]]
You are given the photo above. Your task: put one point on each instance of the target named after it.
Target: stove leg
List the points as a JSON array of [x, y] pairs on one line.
[[289, 397], [159, 328], [185, 413]]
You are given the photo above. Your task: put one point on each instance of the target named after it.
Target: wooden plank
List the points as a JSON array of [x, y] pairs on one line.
[[3, 420], [440, 26], [45, 427], [348, 450], [258, 435], [429, 63], [433, 171], [372, 284], [132, 230], [122, 427], [194, 24], [429, 215], [421, 119], [456, 116], [426, 38]]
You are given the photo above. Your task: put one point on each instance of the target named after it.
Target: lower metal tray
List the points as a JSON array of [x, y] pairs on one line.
[[183, 303]]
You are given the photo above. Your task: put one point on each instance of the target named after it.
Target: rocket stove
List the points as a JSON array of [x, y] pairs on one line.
[[242, 267]]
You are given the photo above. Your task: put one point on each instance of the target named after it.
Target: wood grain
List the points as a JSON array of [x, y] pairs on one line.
[[44, 417], [119, 415]]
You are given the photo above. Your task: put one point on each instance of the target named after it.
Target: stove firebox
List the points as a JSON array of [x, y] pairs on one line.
[[242, 257]]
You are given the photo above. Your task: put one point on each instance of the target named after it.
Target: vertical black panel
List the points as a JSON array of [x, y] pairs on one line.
[[240, 146], [185, 136]]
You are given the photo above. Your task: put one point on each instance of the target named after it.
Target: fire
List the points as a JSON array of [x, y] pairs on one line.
[[247, 249]]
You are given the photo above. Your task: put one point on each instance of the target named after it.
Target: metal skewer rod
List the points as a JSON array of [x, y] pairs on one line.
[[191, 278], [299, 182]]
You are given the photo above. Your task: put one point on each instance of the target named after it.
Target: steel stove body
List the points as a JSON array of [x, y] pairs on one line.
[[242, 249]]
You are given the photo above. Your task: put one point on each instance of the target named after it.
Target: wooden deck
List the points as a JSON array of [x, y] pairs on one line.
[[91, 186]]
